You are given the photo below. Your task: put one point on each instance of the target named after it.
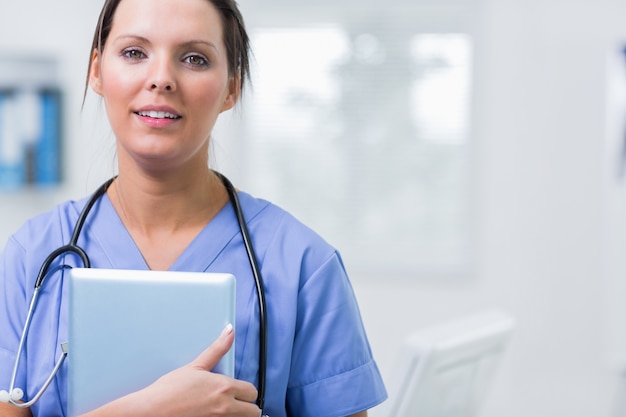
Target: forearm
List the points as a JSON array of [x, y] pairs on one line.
[[136, 404], [8, 410], [191, 390]]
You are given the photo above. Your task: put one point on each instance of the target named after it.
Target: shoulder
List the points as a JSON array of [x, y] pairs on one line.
[[50, 227], [287, 245], [25, 250], [278, 226]]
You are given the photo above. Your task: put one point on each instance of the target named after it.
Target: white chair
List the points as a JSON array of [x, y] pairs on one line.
[[445, 370], [619, 406]]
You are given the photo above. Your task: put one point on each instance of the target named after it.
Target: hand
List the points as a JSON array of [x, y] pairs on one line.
[[193, 390]]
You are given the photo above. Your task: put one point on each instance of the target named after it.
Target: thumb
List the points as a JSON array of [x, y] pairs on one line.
[[208, 359]]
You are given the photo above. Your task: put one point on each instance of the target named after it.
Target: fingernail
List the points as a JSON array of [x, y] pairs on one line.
[[227, 330]]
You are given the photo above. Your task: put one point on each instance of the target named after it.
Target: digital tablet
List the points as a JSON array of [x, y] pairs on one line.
[[127, 328]]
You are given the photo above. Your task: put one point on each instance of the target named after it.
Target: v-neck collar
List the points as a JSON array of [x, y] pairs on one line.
[[122, 252]]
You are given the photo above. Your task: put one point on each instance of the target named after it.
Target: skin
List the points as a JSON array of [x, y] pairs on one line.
[[171, 59]]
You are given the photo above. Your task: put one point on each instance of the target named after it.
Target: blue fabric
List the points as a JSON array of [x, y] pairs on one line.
[[319, 362]]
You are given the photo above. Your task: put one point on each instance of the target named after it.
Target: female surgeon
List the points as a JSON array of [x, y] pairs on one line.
[[165, 70]]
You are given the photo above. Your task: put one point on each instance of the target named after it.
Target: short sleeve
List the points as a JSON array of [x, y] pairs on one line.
[[332, 372], [13, 306], [19, 264]]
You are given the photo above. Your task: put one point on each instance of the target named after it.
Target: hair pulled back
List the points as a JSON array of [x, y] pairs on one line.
[[236, 40]]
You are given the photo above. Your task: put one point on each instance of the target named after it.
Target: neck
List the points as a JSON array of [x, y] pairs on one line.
[[148, 204]]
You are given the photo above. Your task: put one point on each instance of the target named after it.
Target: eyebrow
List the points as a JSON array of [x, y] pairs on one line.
[[201, 42], [184, 44]]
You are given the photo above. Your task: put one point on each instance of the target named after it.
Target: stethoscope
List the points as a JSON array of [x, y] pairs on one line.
[[14, 394]]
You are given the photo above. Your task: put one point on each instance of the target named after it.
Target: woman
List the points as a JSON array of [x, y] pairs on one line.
[[166, 69]]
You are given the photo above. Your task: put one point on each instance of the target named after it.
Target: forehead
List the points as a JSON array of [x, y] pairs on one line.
[[173, 20]]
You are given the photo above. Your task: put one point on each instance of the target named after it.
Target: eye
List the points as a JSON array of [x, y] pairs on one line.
[[133, 54], [196, 61]]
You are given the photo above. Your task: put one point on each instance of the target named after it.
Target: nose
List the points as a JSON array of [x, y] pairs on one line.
[[162, 76], [161, 86]]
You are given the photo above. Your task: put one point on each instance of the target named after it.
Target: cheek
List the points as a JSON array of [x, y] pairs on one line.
[[209, 94], [121, 87], [121, 83], [120, 90]]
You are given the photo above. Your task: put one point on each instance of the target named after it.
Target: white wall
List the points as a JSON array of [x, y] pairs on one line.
[[540, 120], [540, 141], [64, 30]]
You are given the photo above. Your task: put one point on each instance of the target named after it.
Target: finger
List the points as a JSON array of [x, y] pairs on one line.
[[247, 409], [245, 391], [208, 359]]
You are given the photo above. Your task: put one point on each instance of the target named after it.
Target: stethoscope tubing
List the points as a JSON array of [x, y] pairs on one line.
[[258, 280], [72, 246]]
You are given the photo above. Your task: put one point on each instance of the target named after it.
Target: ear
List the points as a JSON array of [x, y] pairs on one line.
[[234, 89], [95, 75]]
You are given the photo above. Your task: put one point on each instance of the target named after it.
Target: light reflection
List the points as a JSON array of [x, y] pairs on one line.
[[364, 137], [441, 90]]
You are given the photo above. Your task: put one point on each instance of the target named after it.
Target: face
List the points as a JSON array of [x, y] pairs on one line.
[[164, 78]]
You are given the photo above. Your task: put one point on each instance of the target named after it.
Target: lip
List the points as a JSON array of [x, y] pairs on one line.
[[164, 109], [167, 116]]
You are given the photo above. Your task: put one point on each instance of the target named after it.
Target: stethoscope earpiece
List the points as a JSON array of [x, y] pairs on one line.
[[4, 396], [15, 395]]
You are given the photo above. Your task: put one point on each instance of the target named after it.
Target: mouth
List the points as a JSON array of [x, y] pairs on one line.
[[158, 114]]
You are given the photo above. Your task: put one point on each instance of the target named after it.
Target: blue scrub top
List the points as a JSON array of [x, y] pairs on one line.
[[319, 359]]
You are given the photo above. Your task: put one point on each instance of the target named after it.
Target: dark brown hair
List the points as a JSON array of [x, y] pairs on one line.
[[235, 37]]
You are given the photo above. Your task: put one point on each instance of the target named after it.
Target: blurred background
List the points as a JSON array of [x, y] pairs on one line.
[[462, 155]]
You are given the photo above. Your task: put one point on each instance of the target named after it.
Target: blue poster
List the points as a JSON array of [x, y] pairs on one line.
[[30, 131]]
